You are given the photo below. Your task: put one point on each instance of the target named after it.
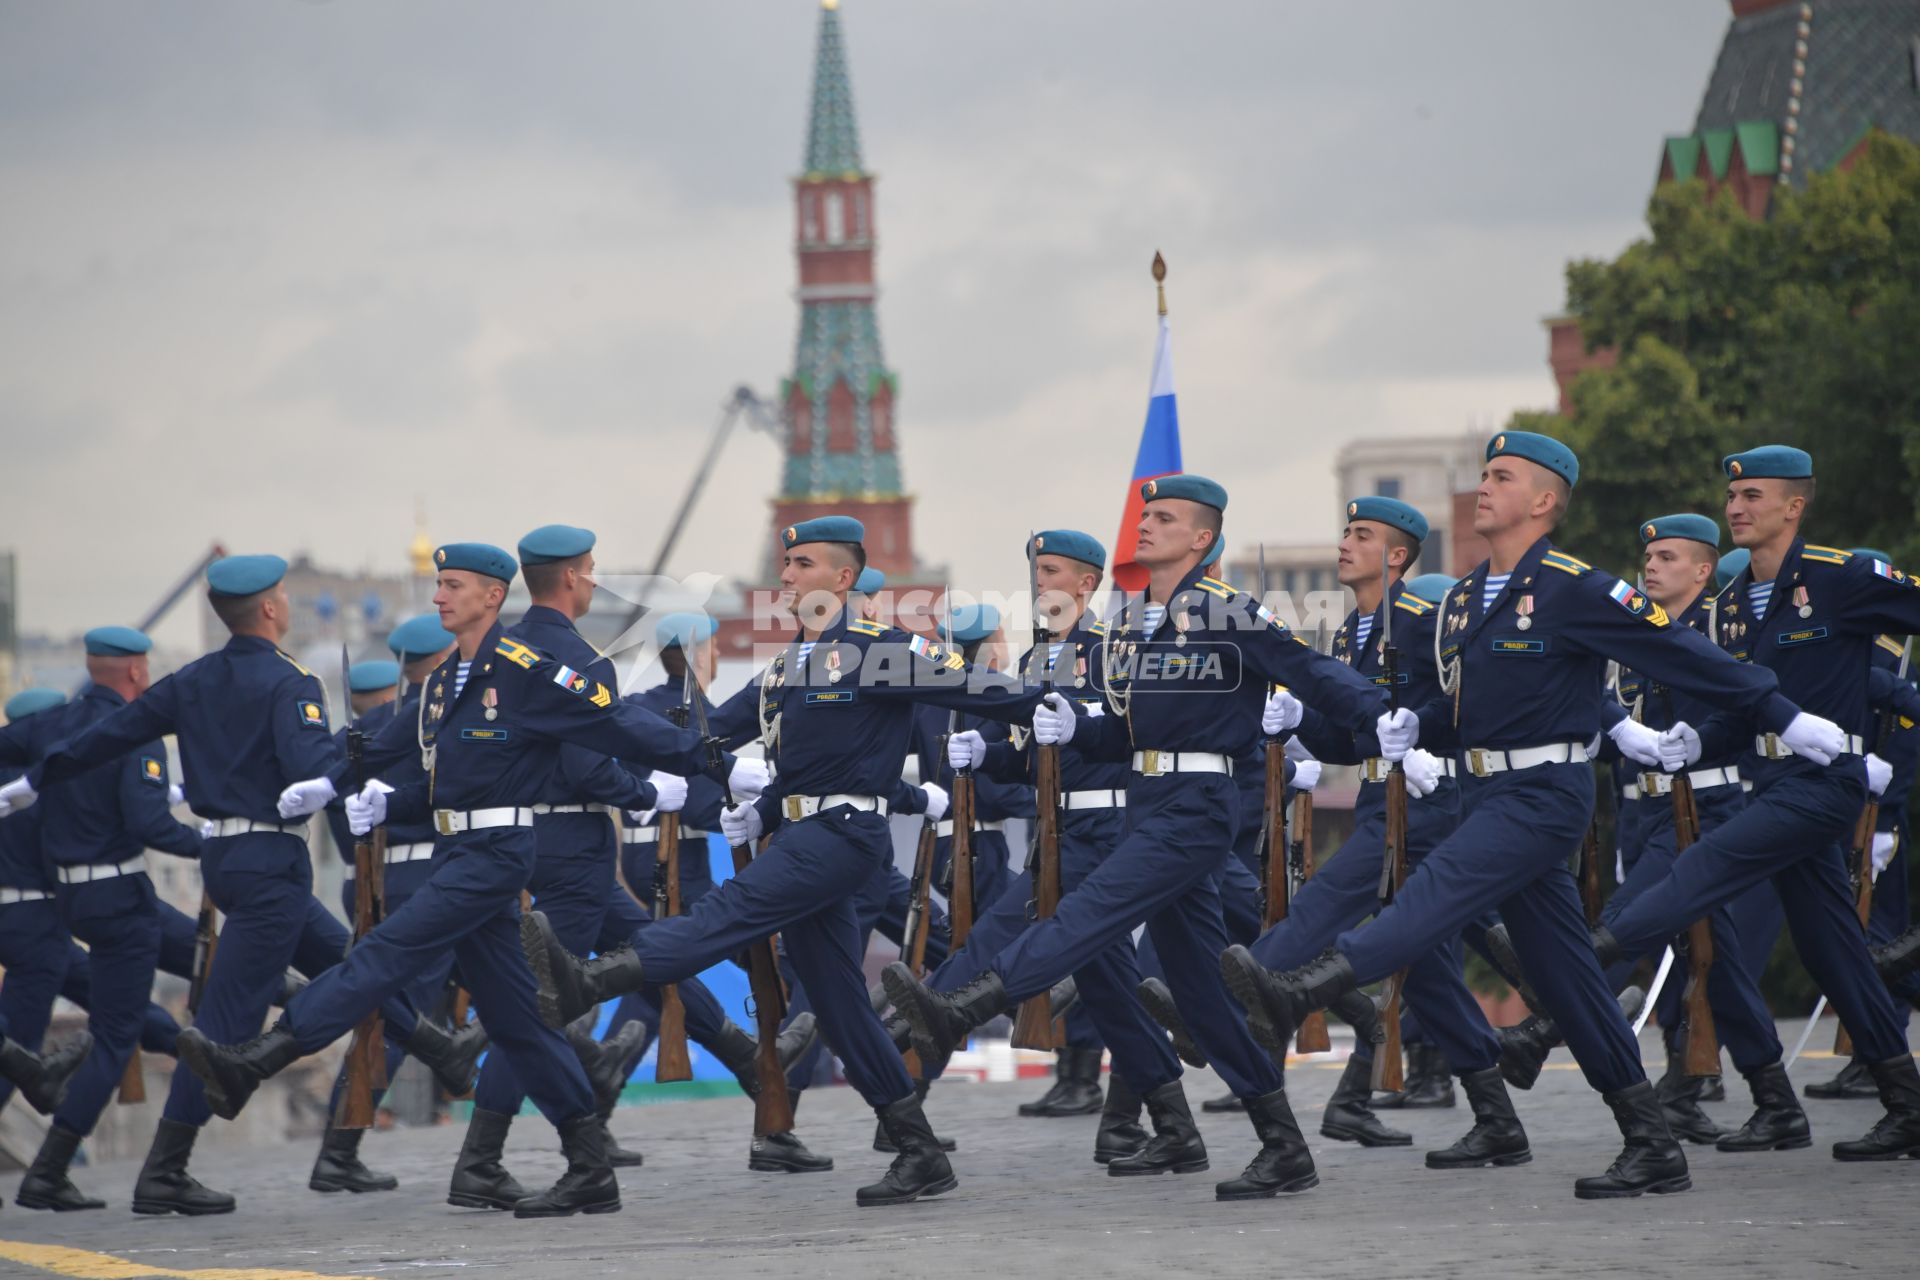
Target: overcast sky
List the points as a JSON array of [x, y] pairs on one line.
[[272, 270]]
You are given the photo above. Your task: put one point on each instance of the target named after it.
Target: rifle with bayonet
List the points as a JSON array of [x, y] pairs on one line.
[[1035, 1027], [367, 1051], [772, 1105], [960, 905], [1703, 1040], [1387, 1070], [1860, 869], [673, 1062]]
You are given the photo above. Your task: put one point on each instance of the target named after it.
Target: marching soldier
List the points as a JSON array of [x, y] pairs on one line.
[[1810, 615], [34, 944], [248, 719], [1523, 642], [835, 711], [1185, 676]]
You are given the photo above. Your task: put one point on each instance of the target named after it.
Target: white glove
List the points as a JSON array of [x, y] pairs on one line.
[[15, 796], [1678, 747], [1423, 772], [367, 809], [740, 824], [749, 778], [1397, 732], [175, 795], [936, 800], [209, 829], [1053, 721], [1282, 712], [303, 798], [641, 817], [966, 750], [1306, 774], [1619, 866], [1815, 737], [1297, 751], [1882, 851], [669, 792], [1637, 742], [1879, 774]]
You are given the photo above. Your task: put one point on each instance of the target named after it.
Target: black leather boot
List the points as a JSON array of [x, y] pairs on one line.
[[784, 1152], [1854, 1081], [618, 1156], [42, 1081], [1429, 1081], [1898, 1132], [588, 1185], [1713, 1089], [738, 1051], [1076, 1085], [1650, 1161], [569, 986], [940, 1022], [165, 1186], [1496, 1137], [480, 1179], [452, 1056], [338, 1167], [921, 1168], [291, 985], [1158, 1000], [1225, 1104], [1896, 959], [1777, 1122], [231, 1072], [883, 1142], [620, 1055], [1606, 948], [1524, 1048], [1282, 1164], [1679, 1095], [1277, 1002], [46, 1185], [1349, 1118], [1120, 1134], [1175, 1146]]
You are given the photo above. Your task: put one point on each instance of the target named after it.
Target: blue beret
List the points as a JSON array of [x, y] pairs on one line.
[[1731, 566], [1698, 528], [678, 629], [551, 542], [869, 581], [116, 642], [31, 702], [244, 575], [1192, 488], [1769, 462], [1873, 553], [1540, 450], [1431, 587], [372, 675], [420, 637], [971, 623], [823, 529], [1391, 512], [1214, 553], [1072, 544], [476, 557]]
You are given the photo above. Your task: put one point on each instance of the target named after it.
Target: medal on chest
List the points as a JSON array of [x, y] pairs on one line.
[[490, 700], [1802, 602], [1524, 608]]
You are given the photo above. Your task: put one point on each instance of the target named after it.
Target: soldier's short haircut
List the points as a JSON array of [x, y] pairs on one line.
[[236, 611], [1401, 538], [850, 553], [545, 579], [1802, 488]]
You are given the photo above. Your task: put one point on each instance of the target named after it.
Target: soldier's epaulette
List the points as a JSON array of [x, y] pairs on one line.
[[1564, 563], [1825, 555], [863, 627], [515, 652], [1413, 605], [1888, 643], [1098, 629], [1215, 587], [294, 663]]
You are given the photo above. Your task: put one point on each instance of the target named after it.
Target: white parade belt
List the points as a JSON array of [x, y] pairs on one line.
[[1771, 747], [1154, 764], [418, 851], [1376, 768], [1093, 799], [1483, 762], [451, 822], [88, 871], [1661, 784], [797, 807]]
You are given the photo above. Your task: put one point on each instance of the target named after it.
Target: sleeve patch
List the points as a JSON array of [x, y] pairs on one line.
[[515, 652], [1628, 597], [313, 715], [152, 770], [1892, 574]]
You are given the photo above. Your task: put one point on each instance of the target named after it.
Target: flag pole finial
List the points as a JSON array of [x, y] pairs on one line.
[[1160, 279]]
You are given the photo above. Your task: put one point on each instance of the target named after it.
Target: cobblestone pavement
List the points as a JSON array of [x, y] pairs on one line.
[[1030, 1201]]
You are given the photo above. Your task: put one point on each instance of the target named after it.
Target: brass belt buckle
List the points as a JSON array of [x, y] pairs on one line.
[[1150, 763], [796, 807], [443, 822], [1477, 762]]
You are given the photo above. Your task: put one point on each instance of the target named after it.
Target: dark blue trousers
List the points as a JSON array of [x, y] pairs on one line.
[[1892, 915], [992, 868], [1741, 1018], [1346, 890], [158, 1030], [34, 950], [263, 882], [1511, 850], [1108, 982], [469, 908], [801, 886], [117, 921], [1166, 872], [1790, 833]]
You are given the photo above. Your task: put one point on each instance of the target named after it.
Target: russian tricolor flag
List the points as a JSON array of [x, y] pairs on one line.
[[1159, 455]]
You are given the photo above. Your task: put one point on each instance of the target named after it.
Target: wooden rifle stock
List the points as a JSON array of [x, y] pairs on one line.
[[367, 1052], [960, 861], [919, 919], [772, 1105], [1035, 1026], [206, 941], [1862, 893], [1590, 875], [672, 1063], [1388, 1072], [1312, 1036], [462, 1002], [133, 1083], [1703, 1042]]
